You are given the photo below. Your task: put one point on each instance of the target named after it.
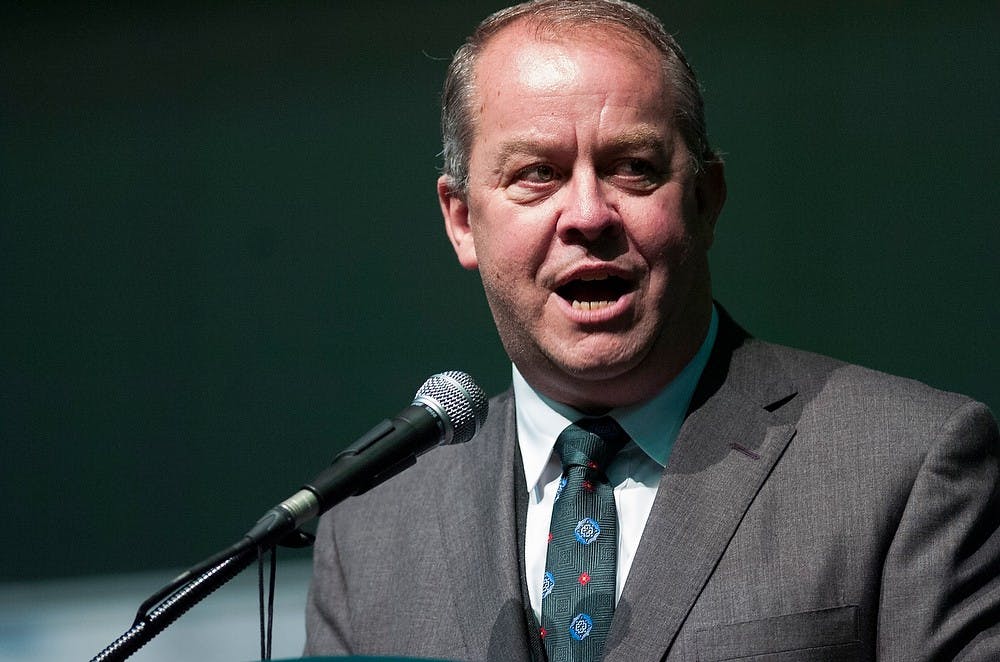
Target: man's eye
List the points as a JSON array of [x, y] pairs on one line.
[[638, 174], [636, 168], [537, 174]]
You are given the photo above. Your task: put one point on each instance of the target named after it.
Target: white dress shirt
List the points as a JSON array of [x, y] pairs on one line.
[[635, 472]]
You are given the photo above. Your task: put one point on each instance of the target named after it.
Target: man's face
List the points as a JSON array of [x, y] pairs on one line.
[[583, 217]]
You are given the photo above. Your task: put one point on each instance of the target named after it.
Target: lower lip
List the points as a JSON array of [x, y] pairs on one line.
[[610, 313]]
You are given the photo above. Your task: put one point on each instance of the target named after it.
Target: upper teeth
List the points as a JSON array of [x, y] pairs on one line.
[[590, 305], [586, 277]]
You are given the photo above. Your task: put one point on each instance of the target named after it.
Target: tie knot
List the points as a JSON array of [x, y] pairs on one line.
[[591, 442]]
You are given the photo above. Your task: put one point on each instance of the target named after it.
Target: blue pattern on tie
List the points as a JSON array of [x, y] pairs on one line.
[[578, 592]]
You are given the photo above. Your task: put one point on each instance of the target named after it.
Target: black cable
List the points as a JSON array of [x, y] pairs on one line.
[[260, 601], [270, 601], [266, 624]]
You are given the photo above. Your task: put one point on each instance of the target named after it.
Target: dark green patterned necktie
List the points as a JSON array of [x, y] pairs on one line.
[[578, 592]]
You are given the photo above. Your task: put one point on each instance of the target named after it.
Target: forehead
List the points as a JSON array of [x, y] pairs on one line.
[[519, 47], [543, 79]]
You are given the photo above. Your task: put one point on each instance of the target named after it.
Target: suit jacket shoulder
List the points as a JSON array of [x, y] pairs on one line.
[[814, 509]]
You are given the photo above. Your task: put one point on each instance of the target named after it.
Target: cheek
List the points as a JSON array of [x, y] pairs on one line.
[[508, 269], [511, 250], [496, 256], [661, 233], [500, 264]]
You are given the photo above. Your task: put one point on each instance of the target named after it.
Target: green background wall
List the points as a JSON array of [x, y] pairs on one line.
[[221, 257]]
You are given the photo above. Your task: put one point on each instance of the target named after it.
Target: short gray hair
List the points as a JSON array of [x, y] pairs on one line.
[[635, 23]]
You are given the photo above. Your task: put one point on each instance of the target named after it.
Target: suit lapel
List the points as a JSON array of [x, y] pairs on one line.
[[479, 541], [736, 429]]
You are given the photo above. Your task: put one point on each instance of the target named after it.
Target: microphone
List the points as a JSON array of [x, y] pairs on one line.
[[449, 408]]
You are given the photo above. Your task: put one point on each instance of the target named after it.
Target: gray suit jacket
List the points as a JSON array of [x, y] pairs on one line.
[[810, 510]]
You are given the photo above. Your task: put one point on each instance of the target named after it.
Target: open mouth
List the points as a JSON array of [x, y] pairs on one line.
[[594, 292]]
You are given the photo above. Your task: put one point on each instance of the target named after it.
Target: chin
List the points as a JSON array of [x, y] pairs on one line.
[[595, 367]]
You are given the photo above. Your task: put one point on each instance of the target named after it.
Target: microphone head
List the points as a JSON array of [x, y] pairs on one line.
[[459, 403]]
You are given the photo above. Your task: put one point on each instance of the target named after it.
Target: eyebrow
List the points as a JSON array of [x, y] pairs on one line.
[[641, 138], [518, 146]]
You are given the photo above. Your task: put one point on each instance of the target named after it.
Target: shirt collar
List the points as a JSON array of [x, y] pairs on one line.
[[653, 425]]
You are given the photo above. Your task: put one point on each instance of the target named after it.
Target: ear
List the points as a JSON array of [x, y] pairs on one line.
[[456, 222], [710, 195]]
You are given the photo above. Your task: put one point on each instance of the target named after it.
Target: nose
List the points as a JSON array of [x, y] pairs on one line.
[[587, 215]]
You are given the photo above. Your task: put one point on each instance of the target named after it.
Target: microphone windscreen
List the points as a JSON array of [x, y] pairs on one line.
[[459, 402]]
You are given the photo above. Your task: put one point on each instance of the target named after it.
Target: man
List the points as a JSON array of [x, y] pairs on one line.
[[769, 504]]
